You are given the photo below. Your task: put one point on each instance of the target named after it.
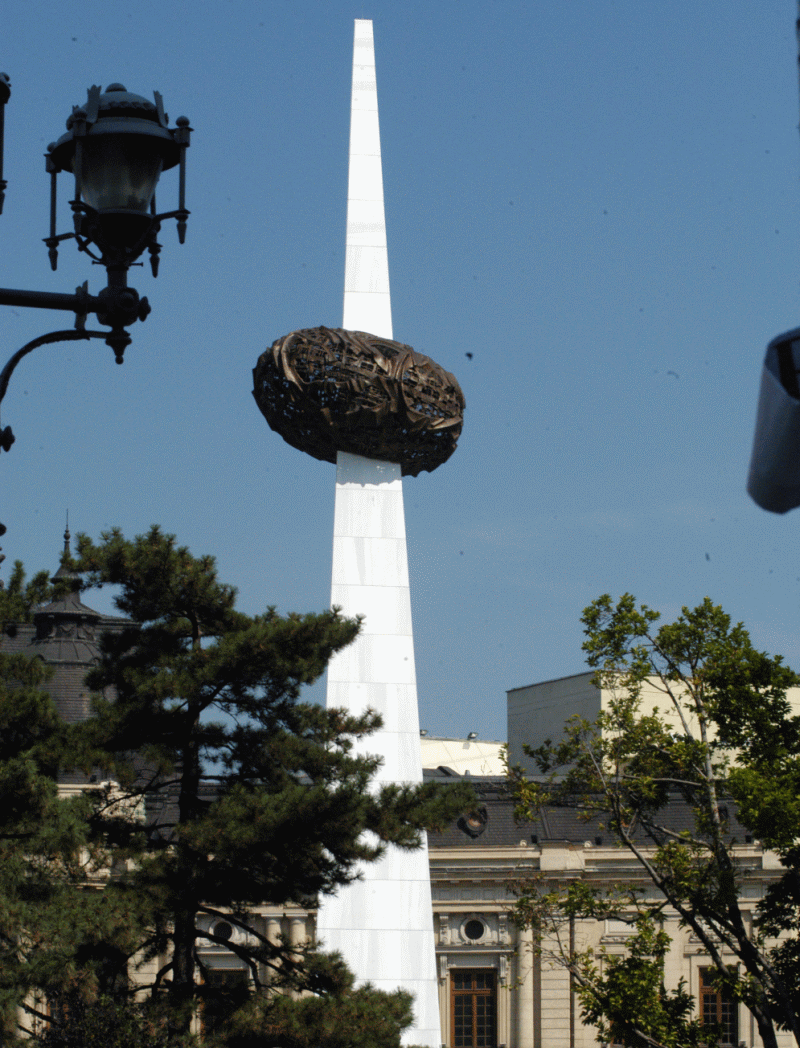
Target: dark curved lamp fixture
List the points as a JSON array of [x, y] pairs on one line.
[[116, 146]]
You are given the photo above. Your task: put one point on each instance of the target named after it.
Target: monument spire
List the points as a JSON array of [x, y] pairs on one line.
[[383, 924], [380, 411], [367, 304]]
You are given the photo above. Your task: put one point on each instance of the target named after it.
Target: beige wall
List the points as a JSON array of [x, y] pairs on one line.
[[536, 1008], [539, 712]]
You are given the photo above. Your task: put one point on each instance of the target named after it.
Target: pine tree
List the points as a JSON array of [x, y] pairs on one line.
[[228, 793], [19, 598], [42, 842]]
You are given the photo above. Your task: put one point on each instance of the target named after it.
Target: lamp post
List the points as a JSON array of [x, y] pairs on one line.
[[115, 146]]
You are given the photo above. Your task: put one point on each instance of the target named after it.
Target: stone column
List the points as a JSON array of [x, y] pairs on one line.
[[297, 938], [383, 924], [274, 937], [525, 989], [297, 932]]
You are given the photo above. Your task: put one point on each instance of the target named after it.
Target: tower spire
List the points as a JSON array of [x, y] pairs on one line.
[[367, 303], [63, 572], [379, 410], [382, 924]]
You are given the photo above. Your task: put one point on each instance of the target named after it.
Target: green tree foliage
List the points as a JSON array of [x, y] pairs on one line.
[[52, 921], [344, 1017], [20, 595], [102, 1021], [42, 839], [226, 792], [721, 735]]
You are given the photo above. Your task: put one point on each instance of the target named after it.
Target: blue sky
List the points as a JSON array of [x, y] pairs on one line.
[[598, 201]]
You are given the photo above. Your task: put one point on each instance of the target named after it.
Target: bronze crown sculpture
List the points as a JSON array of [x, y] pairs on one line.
[[326, 390]]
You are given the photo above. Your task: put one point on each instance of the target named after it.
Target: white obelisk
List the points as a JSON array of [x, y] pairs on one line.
[[383, 924]]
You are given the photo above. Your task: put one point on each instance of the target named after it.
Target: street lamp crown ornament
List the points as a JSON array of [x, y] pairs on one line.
[[116, 146]]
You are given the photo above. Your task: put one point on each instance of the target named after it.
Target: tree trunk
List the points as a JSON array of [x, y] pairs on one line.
[[183, 937], [766, 1028]]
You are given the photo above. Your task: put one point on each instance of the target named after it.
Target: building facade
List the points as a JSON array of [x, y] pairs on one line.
[[493, 989]]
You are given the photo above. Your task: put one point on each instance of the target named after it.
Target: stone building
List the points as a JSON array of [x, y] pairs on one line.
[[65, 635], [493, 991]]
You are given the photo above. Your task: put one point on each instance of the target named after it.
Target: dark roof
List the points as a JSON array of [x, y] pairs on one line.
[[65, 635], [491, 824]]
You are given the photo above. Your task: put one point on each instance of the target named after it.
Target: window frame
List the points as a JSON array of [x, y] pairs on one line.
[[486, 1038], [725, 1009]]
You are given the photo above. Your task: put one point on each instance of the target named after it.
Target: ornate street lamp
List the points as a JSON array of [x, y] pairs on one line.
[[116, 147]]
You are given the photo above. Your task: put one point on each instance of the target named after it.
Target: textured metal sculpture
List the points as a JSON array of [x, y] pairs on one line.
[[326, 390]]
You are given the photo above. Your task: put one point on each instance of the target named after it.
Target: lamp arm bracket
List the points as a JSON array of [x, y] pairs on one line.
[[57, 239], [178, 213], [79, 302], [83, 245], [70, 335]]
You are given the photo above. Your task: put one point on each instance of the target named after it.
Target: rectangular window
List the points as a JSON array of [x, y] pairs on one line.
[[473, 1008], [717, 1008], [229, 989]]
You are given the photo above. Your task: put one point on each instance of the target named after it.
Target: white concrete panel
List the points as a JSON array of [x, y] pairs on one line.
[[376, 899], [398, 752], [426, 1014], [401, 865], [365, 311], [363, 63], [365, 90], [366, 271], [365, 135], [365, 178], [369, 562], [394, 861], [355, 472], [362, 37], [396, 703], [398, 767], [401, 761], [365, 224], [369, 513], [392, 957], [378, 659], [386, 609]]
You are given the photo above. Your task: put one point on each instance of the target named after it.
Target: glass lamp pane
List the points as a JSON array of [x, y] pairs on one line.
[[120, 171]]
